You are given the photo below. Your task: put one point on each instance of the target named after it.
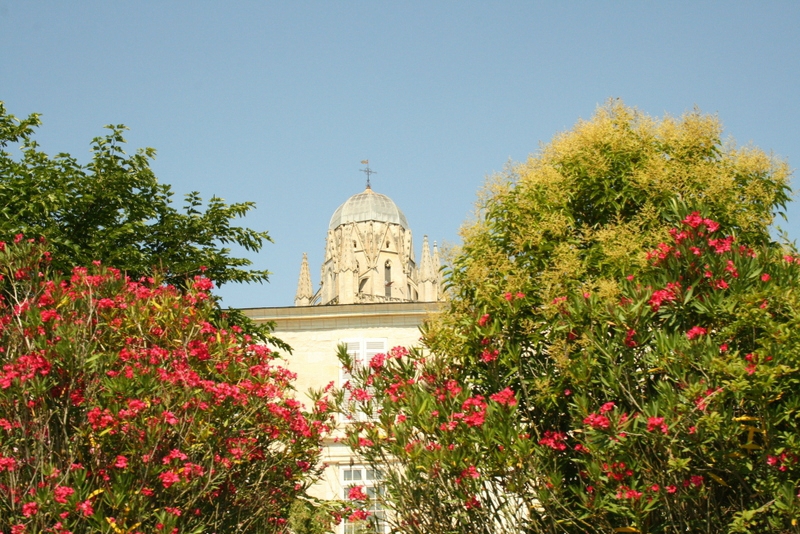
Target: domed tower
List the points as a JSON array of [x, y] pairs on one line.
[[369, 257]]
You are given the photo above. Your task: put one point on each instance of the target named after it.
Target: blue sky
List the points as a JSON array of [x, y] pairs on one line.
[[277, 103]]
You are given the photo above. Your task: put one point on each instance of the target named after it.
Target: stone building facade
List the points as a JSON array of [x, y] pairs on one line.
[[372, 296]]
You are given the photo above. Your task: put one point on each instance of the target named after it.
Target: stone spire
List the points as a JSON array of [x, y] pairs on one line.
[[427, 277], [426, 267], [346, 274], [304, 290]]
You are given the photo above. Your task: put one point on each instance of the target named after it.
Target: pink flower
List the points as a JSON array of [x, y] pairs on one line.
[[659, 297], [105, 303], [554, 440], [364, 442], [62, 493], [696, 331], [358, 515], [672, 489], [765, 277], [470, 472], [356, 493], [168, 478], [489, 355], [85, 508], [472, 502], [121, 462], [30, 509], [693, 219], [377, 361], [506, 397], [201, 283], [7, 463], [361, 395], [629, 341], [508, 297], [597, 421], [607, 407], [654, 423], [169, 418]]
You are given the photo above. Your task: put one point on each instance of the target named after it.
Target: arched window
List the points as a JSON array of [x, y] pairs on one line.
[[387, 270]]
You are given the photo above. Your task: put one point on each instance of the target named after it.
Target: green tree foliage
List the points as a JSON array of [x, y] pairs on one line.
[[620, 350], [114, 209], [124, 410]]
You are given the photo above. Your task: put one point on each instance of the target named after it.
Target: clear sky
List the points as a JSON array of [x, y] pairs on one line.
[[278, 102]]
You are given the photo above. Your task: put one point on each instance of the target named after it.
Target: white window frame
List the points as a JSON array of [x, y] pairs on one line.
[[361, 351], [371, 480]]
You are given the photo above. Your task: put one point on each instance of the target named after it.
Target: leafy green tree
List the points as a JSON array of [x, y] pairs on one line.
[[114, 209], [619, 351], [123, 409]]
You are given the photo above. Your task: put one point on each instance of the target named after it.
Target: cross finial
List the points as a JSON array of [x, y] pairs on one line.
[[367, 171]]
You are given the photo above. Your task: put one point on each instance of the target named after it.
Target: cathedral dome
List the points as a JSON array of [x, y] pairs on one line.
[[368, 206]]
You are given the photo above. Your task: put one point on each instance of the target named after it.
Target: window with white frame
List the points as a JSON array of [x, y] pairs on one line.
[[361, 352], [370, 480]]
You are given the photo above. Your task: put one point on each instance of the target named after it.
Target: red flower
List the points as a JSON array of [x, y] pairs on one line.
[[472, 502], [29, 509], [659, 297], [62, 493], [201, 283], [654, 423], [629, 341], [356, 493], [85, 508], [475, 409], [364, 442], [121, 462], [483, 320], [696, 331], [554, 440], [597, 421], [377, 361], [168, 478], [169, 418], [506, 397], [358, 515], [694, 219], [607, 407], [489, 355]]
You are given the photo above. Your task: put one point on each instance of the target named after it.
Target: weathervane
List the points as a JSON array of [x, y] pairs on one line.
[[367, 171]]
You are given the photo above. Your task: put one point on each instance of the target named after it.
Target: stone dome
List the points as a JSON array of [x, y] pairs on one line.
[[368, 206]]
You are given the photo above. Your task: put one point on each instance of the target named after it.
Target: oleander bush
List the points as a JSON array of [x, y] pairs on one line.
[[123, 409], [619, 353]]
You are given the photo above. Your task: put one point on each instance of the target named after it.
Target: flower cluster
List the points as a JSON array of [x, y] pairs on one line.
[[120, 399]]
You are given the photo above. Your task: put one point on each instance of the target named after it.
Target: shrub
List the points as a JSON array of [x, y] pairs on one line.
[[123, 409]]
